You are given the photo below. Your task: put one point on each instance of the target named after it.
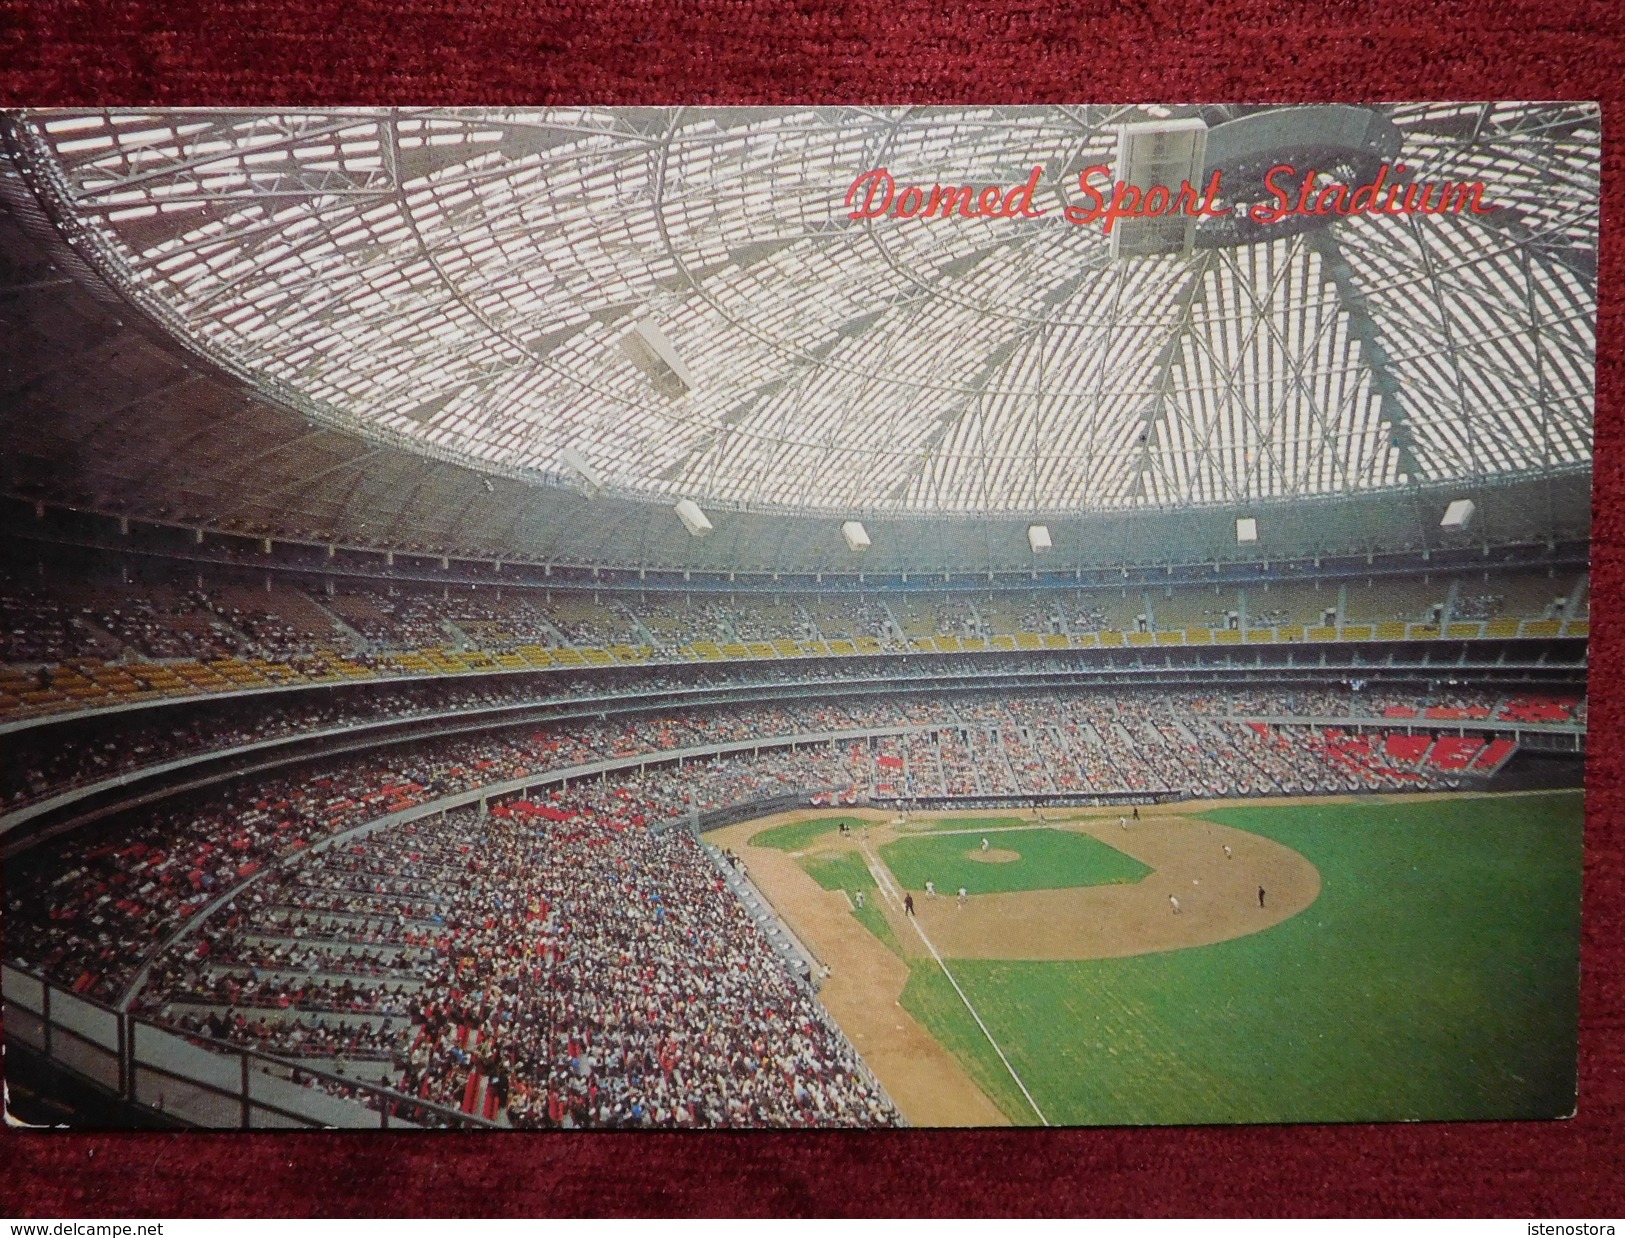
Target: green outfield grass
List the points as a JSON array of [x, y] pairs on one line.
[[798, 834], [1050, 860], [1435, 977]]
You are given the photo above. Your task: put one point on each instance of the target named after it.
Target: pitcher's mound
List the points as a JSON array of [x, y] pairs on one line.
[[993, 855]]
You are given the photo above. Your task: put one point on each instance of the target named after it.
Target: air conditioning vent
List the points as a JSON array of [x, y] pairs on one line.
[[652, 353], [587, 479]]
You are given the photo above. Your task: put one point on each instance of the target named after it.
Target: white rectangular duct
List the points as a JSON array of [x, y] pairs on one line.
[[1458, 515], [588, 480], [694, 520], [653, 353]]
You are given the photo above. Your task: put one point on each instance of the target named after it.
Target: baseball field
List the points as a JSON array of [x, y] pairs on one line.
[[1341, 959]]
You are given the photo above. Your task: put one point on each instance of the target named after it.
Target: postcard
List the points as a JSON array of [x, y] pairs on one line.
[[829, 616]]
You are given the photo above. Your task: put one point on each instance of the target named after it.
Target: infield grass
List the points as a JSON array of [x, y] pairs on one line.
[[842, 871], [1435, 977], [796, 835], [1050, 860]]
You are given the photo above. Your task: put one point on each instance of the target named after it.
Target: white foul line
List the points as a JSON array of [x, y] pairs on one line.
[[889, 888]]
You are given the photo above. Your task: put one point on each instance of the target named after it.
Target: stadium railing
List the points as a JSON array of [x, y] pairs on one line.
[[151, 1067]]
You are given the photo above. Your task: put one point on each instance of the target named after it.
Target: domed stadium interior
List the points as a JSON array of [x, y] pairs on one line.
[[498, 607]]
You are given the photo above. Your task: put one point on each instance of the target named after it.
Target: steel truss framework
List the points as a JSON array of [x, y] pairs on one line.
[[459, 282]]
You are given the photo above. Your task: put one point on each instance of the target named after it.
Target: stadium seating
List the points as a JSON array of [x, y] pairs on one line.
[[281, 623], [40, 765], [476, 964], [927, 615], [1031, 744], [1455, 752], [338, 958], [1538, 709], [1407, 748], [1180, 608], [1294, 604], [71, 643], [1010, 614]]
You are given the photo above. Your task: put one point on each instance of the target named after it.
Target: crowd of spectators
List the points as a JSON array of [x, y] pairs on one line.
[[779, 620], [44, 620], [36, 628], [1085, 615], [928, 615], [45, 764], [392, 620], [1469, 607], [275, 636], [88, 907], [591, 623], [502, 624], [165, 624], [55, 761], [73, 646], [361, 953], [1031, 612], [569, 968], [839, 617], [674, 626], [48, 762]]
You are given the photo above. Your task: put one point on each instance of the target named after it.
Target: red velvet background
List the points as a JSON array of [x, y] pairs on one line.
[[667, 51]]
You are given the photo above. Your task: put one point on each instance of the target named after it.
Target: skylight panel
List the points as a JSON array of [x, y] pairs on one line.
[[75, 145], [973, 371], [73, 124]]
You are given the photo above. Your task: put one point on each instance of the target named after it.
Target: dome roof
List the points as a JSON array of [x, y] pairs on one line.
[[676, 301]]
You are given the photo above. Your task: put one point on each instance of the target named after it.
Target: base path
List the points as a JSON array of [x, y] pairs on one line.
[[865, 982]]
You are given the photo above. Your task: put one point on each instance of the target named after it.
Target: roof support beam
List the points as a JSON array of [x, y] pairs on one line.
[[1373, 355]]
